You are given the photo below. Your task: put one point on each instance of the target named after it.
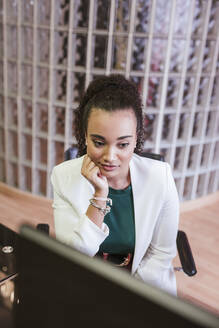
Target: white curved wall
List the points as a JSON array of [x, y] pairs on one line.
[[51, 50]]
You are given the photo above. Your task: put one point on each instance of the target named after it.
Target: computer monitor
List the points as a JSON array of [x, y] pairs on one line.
[[58, 286]]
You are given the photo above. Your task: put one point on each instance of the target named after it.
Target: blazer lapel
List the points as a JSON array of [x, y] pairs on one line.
[[144, 207]]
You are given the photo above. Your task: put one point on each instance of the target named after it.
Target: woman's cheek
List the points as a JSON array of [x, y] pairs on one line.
[[94, 155]]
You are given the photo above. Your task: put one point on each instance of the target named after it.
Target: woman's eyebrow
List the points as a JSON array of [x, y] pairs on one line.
[[97, 136], [102, 138], [124, 137]]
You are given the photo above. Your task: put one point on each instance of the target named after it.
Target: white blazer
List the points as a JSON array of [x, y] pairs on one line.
[[156, 209]]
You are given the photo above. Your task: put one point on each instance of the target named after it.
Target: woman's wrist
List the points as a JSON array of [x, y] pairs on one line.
[[101, 194], [100, 198], [103, 209]]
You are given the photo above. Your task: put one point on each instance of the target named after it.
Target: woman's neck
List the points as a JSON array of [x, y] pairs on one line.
[[120, 183]]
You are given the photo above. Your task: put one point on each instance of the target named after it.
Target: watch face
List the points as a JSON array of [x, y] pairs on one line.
[[8, 267], [7, 299], [7, 290]]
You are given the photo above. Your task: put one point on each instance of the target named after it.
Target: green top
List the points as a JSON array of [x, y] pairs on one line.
[[121, 223]]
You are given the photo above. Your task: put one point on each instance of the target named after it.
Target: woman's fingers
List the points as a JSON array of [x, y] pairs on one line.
[[92, 166], [86, 161], [92, 173], [89, 168], [87, 165]]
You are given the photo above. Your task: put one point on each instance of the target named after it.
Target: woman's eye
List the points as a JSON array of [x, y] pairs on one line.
[[124, 145], [98, 143]]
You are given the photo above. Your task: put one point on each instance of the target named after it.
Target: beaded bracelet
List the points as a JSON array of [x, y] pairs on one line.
[[104, 210], [107, 200]]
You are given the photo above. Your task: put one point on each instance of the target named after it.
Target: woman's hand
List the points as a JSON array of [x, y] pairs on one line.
[[92, 173]]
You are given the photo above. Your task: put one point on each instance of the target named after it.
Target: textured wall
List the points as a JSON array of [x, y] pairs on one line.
[[49, 52]]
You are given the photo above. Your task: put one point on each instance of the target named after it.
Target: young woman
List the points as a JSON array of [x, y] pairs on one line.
[[110, 201]]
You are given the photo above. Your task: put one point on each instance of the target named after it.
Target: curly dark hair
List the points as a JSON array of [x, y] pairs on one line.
[[110, 93]]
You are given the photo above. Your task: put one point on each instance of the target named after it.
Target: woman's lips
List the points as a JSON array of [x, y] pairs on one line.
[[109, 167]]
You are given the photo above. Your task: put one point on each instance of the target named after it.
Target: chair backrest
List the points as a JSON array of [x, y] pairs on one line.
[[71, 153], [185, 254], [158, 157]]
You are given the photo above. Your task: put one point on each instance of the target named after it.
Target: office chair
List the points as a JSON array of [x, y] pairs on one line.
[[185, 253]]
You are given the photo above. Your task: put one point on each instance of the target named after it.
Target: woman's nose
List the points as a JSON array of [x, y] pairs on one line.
[[110, 154]]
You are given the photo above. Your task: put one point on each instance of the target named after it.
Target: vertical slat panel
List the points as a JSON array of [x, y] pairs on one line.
[[195, 95], [51, 150], [182, 82], [89, 43], [216, 182], [209, 164], [69, 77], [148, 55], [5, 77], [110, 37], [130, 38], [165, 80], [19, 97], [204, 123], [34, 177]]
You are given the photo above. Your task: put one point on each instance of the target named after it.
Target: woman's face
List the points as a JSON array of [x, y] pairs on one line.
[[111, 140]]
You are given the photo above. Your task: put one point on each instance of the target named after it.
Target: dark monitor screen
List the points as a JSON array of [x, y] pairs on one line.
[[58, 286]]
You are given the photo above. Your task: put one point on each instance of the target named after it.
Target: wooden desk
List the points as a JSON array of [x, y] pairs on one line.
[[18, 207], [199, 219]]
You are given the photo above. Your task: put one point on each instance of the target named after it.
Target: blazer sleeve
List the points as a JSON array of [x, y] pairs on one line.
[[156, 265], [74, 228]]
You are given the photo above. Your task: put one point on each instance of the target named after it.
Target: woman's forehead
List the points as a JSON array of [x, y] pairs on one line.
[[121, 122], [111, 114]]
